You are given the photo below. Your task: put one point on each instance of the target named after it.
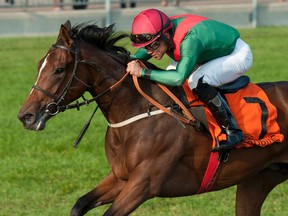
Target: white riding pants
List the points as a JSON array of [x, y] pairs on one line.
[[224, 69]]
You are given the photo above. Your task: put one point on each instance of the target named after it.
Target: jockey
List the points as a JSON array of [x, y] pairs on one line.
[[206, 52]]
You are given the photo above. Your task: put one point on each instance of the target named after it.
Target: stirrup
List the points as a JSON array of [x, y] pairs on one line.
[[231, 142], [223, 147]]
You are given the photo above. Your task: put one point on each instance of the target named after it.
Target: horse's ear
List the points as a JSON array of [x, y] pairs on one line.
[[64, 34], [67, 25]]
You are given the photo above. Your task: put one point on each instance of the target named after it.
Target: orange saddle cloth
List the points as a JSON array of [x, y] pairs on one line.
[[255, 114]]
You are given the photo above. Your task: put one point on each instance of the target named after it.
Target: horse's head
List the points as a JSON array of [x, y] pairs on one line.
[[57, 77]]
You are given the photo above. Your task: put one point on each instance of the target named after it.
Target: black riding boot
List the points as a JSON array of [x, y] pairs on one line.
[[222, 114]]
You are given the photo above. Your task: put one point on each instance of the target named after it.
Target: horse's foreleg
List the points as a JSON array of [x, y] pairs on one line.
[[104, 193], [139, 188], [252, 193]]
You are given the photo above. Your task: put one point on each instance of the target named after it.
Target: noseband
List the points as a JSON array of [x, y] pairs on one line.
[[54, 107]]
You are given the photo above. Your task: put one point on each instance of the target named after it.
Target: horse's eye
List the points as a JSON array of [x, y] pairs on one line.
[[59, 70]]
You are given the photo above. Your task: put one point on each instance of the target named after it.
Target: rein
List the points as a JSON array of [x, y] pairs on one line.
[[77, 105], [188, 118]]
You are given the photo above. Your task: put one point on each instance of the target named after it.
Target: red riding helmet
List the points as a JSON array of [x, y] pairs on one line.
[[149, 25]]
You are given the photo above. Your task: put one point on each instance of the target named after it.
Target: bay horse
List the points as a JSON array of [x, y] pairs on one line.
[[154, 156]]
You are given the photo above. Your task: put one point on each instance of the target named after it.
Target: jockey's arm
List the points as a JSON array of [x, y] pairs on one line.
[[141, 54], [190, 49]]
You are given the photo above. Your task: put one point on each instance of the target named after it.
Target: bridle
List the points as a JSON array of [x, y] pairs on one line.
[[53, 108]]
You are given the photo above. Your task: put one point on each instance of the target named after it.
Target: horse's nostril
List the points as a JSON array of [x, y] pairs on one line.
[[27, 119]]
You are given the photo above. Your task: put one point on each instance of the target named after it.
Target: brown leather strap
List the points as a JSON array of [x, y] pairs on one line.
[[156, 104], [188, 116], [119, 82], [183, 107]]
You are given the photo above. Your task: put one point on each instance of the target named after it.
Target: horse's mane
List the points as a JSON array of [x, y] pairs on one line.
[[104, 38]]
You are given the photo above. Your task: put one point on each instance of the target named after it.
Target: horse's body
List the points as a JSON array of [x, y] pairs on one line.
[[156, 156]]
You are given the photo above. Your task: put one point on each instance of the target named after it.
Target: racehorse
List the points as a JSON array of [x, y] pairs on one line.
[[153, 156]]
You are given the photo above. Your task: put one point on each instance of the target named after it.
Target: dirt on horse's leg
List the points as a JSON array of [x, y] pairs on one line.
[[104, 193], [252, 193]]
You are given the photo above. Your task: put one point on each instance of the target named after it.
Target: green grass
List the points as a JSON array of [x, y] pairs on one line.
[[41, 172]]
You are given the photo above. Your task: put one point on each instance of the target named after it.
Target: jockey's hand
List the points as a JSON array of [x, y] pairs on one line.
[[134, 68]]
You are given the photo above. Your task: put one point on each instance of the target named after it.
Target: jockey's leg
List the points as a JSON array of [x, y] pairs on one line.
[[222, 114], [218, 72], [224, 69]]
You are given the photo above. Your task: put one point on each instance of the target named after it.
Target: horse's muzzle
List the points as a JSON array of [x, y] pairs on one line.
[[32, 121]]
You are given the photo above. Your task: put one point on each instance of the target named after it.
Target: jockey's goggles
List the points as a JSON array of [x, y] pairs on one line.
[[142, 38], [154, 45]]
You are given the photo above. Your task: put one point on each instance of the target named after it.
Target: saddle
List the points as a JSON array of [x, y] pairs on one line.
[[198, 111], [255, 114]]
